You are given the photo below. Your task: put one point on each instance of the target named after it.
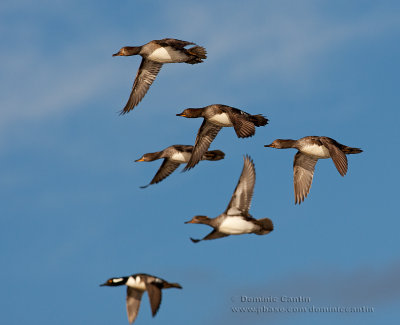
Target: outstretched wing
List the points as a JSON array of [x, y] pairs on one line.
[[207, 133], [212, 235], [175, 42], [154, 293], [145, 76], [244, 128], [133, 298], [338, 156], [241, 198], [303, 173], [166, 169]]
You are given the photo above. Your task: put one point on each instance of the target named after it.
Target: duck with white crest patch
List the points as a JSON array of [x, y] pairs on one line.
[[310, 149], [136, 285], [236, 219]]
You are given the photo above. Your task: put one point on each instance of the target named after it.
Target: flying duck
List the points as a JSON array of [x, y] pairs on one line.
[[215, 117], [236, 220], [173, 157], [137, 284], [154, 55], [310, 149]]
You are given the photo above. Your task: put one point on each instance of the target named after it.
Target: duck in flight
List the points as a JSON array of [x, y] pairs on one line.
[[310, 149], [236, 220], [216, 117], [173, 157], [136, 285], [154, 55]]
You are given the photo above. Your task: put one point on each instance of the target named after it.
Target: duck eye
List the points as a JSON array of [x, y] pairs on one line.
[[110, 281]]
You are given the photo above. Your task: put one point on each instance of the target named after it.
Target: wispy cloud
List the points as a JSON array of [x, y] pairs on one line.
[[41, 79], [280, 39], [52, 64]]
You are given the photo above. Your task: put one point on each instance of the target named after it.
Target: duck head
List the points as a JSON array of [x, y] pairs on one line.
[[113, 282], [128, 50], [149, 157], [191, 112], [200, 219], [281, 144]]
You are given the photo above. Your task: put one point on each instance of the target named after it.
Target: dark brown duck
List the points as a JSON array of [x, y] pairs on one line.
[[155, 54], [310, 149], [236, 220], [174, 156], [216, 117]]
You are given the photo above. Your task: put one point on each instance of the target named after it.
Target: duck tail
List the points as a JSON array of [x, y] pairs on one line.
[[259, 120], [349, 150], [172, 285], [199, 54], [214, 155], [267, 226]]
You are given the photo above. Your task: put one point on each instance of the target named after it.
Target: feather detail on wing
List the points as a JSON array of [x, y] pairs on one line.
[[303, 173], [166, 169], [207, 133], [133, 298], [338, 156], [212, 235], [241, 198], [145, 76], [243, 127], [175, 43], [154, 293]]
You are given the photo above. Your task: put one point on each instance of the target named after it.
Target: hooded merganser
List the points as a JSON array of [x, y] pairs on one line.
[[137, 284], [155, 54], [173, 157], [236, 219], [215, 117], [310, 149]]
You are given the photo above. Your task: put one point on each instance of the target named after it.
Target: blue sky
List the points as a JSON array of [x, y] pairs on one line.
[[72, 212]]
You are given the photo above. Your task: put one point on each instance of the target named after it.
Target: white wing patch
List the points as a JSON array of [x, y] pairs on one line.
[[233, 211]]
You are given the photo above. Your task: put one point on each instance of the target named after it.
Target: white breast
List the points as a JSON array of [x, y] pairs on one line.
[[221, 119], [236, 226], [181, 157], [137, 284], [316, 151]]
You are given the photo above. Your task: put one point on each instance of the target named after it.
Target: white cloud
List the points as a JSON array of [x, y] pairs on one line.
[[280, 39], [251, 41]]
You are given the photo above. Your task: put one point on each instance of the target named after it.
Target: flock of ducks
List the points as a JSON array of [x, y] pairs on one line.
[[235, 220]]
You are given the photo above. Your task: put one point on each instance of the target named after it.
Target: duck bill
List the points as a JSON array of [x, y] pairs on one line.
[[141, 159], [181, 114], [104, 284], [269, 145], [117, 54], [190, 221]]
